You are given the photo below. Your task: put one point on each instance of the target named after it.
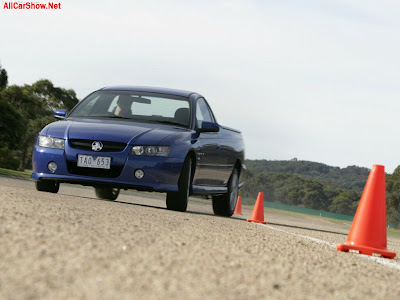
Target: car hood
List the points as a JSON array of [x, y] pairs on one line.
[[111, 130]]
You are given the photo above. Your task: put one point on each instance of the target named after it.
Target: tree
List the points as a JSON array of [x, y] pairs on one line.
[[12, 126], [29, 107], [346, 203], [22, 99], [54, 97], [32, 105], [393, 197], [46, 97], [3, 78], [33, 128], [314, 196], [295, 197], [314, 199], [349, 178]]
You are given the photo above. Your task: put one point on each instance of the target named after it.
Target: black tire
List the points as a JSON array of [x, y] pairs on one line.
[[49, 186], [107, 193], [224, 205], [178, 201]]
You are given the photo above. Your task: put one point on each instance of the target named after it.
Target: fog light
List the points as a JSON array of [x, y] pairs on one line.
[[139, 173], [52, 166]]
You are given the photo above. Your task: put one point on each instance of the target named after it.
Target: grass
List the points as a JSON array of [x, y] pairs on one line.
[[16, 174], [393, 233]]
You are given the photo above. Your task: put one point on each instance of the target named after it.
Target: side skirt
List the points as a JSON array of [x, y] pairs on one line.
[[208, 190]]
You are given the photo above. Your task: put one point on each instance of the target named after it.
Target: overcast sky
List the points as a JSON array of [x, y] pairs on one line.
[[317, 80]]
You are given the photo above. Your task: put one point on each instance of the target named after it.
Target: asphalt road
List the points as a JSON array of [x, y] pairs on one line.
[[71, 245]]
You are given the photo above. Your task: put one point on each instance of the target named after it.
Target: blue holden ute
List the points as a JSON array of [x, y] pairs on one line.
[[142, 138]]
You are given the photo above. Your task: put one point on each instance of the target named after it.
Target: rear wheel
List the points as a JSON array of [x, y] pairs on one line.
[[224, 205], [178, 201], [49, 186], [107, 193]]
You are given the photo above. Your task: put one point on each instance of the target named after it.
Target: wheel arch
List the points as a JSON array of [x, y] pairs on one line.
[[238, 166], [192, 155]]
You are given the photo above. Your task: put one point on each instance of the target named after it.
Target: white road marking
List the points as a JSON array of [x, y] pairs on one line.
[[301, 235], [380, 260]]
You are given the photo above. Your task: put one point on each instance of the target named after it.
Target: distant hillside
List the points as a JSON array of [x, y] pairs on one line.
[[349, 178], [296, 190], [315, 185]]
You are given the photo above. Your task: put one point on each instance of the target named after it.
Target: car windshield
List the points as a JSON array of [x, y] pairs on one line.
[[137, 106]]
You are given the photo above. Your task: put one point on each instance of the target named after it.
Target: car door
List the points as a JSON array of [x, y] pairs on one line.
[[207, 149]]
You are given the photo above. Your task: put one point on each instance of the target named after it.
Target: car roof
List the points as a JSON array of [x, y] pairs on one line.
[[149, 89]]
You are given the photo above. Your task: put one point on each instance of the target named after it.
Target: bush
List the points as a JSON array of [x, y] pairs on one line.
[[8, 160]]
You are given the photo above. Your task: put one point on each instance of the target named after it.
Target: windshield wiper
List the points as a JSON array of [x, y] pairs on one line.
[[167, 122], [94, 117], [116, 117], [137, 120]]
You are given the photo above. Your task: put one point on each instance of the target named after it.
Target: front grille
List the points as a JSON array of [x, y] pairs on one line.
[[107, 146], [113, 172]]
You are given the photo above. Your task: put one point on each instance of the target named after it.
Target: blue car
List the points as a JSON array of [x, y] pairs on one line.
[[142, 138]]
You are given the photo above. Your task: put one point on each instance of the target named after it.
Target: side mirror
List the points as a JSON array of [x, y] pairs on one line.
[[209, 127], [60, 113]]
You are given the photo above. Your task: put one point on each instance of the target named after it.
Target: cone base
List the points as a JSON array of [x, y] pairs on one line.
[[365, 250], [257, 221]]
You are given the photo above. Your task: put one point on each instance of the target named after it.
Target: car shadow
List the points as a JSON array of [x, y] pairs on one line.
[[234, 217], [164, 208]]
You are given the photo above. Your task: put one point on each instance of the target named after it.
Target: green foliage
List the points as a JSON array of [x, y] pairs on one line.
[[307, 184], [345, 203], [12, 126], [349, 178], [34, 126], [25, 110], [7, 159], [314, 197], [393, 198], [23, 101], [293, 190], [54, 97], [3, 78]]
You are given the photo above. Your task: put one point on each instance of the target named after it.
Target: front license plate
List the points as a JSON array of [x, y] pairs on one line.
[[99, 162]]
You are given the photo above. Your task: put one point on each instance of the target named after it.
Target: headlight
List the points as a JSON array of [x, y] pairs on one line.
[[50, 142], [151, 150]]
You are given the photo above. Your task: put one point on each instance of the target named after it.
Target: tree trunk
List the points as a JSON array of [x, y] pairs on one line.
[[23, 158]]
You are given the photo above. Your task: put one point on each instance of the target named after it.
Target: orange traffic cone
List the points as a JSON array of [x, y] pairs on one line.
[[238, 208], [258, 211], [368, 231]]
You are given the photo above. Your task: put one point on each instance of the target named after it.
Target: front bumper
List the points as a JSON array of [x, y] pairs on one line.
[[161, 173]]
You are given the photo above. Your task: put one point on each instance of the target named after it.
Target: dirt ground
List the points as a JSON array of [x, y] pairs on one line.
[[71, 245]]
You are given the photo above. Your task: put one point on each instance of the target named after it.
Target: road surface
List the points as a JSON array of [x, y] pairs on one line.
[[71, 245]]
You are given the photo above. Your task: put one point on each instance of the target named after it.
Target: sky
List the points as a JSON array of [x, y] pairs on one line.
[[316, 80]]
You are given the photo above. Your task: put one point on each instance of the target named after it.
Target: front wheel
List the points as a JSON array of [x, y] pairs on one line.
[[178, 201], [107, 193], [49, 186], [224, 205]]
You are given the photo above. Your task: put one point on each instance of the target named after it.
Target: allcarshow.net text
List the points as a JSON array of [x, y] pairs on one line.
[[31, 5]]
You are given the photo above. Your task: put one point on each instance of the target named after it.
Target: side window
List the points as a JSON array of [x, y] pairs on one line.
[[203, 113]]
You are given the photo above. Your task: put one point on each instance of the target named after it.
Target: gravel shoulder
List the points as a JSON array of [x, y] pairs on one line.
[[72, 245]]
